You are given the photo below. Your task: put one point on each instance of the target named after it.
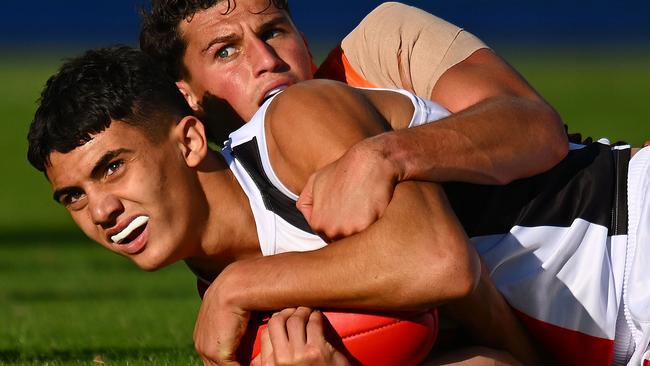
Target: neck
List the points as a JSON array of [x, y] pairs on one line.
[[230, 232]]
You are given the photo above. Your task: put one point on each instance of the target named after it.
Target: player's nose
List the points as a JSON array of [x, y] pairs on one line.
[[263, 57], [104, 208]]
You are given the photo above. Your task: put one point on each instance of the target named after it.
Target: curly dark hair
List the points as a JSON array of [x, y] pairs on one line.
[[160, 37], [88, 92]]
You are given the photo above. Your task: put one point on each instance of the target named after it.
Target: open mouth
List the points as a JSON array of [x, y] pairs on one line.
[[131, 231]]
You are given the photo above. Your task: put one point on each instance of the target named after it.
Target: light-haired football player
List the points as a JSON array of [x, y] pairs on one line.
[[241, 51]]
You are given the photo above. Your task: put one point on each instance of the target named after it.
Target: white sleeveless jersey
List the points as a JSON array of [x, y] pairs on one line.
[[556, 245], [280, 227]]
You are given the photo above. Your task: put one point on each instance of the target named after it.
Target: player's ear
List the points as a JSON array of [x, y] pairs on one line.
[[189, 94], [192, 141]]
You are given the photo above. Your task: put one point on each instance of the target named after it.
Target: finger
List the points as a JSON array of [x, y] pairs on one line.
[[315, 329], [305, 202], [296, 327], [278, 332], [265, 356]]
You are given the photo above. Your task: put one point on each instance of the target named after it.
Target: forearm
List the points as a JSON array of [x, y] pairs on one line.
[[314, 279], [429, 262], [489, 321], [493, 142]]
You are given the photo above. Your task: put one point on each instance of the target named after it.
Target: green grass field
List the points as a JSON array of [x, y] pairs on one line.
[[63, 301], [70, 303]]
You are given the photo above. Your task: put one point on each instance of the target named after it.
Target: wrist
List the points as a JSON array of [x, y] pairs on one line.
[[229, 289], [390, 154]]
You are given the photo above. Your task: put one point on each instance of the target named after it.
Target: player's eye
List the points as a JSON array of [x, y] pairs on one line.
[[272, 33], [225, 52], [72, 200], [113, 167]]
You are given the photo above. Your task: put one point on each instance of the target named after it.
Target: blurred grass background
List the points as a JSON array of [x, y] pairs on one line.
[[599, 91], [64, 301]]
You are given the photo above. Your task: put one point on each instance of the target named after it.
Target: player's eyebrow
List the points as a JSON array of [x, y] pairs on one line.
[[273, 21], [101, 164], [226, 38]]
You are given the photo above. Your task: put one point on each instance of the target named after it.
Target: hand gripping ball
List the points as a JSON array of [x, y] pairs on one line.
[[372, 338]]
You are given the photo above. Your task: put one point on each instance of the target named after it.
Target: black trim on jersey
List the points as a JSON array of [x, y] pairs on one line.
[[583, 185], [618, 224], [248, 154]]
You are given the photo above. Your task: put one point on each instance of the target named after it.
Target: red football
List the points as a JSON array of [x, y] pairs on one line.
[[372, 338]]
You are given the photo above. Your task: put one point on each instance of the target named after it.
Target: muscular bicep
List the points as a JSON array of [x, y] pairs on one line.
[[415, 256], [481, 76]]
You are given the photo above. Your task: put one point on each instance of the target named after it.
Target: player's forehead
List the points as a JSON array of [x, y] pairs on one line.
[[230, 17], [119, 139]]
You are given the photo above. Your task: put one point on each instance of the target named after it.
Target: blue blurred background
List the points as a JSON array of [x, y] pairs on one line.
[[81, 22]]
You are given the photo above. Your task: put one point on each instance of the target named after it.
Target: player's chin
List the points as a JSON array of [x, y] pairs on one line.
[[149, 267], [149, 260]]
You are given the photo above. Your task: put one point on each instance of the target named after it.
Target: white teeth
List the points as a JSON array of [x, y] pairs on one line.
[[136, 223], [274, 91]]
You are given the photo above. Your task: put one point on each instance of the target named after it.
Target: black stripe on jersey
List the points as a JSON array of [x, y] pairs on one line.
[[618, 224], [580, 186], [248, 154]]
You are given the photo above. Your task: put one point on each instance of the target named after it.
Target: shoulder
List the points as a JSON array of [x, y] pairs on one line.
[[394, 26], [320, 108], [398, 45], [313, 123], [404, 17], [314, 92]]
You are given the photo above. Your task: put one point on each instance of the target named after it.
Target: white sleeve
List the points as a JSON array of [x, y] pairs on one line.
[[424, 110]]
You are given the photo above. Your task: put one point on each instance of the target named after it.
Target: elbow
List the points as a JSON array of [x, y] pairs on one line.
[[546, 144], [455, 275], [462, 269], [557, 139], [553, 137], [465, 275]]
